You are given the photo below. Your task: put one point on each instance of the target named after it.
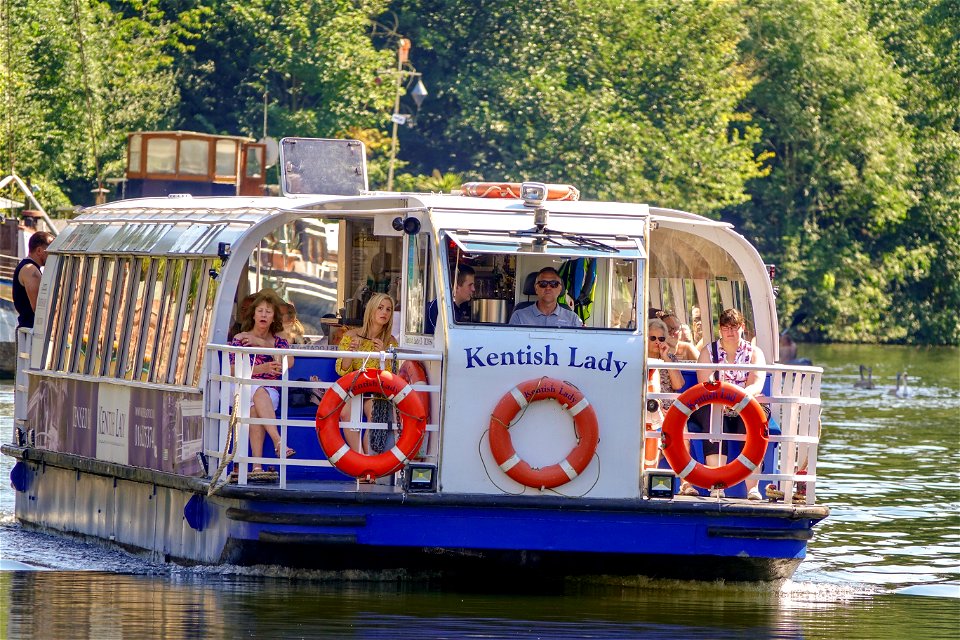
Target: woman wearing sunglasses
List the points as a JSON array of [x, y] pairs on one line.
[[547, 312]]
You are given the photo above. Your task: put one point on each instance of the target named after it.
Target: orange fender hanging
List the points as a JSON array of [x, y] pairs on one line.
[[584, 423], [675, 448], [413, 419], [512, 190]]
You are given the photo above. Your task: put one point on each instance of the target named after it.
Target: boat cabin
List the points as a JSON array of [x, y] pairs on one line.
[[161, 163]]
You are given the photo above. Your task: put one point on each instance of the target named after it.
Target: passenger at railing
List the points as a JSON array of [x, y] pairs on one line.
[[260, 329], [547, 312], [680, 350], [463, 289], [26, 278], [293, 329], [375, 335], [731, 348], [658, 349]]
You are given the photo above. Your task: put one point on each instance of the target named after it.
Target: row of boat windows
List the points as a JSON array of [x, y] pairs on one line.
[[131, 317]]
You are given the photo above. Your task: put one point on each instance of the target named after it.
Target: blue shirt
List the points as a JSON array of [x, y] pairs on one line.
[[560, 317]]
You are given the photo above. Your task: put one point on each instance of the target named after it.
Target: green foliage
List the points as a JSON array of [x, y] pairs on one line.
[[66, 114], [827, 130], [596, 93]]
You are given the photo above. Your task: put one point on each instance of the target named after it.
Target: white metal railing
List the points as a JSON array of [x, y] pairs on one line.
[[24, 346], [794, 402], [225, 380]]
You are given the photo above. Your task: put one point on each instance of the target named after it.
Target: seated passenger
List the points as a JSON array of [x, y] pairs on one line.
[[375, 335], [293, 329], [463, 290], [546, 312], [262, 327], [731, 348]]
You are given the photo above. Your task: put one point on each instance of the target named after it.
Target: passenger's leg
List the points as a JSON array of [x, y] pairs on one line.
[[262, 408], [351, 436]]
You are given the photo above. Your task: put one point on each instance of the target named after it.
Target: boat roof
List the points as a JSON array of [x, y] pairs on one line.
[[187, 225]]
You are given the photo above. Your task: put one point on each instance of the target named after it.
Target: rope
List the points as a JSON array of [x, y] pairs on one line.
[[229, 449]]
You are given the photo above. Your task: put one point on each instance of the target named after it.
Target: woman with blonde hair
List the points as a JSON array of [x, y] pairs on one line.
[[375, 335]]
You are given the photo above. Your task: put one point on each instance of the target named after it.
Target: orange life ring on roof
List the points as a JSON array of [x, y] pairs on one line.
[[512, 190], [675, 448], [413, 419], [584, 423]]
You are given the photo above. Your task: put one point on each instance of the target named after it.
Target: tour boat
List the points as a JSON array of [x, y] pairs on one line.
[[515, 451]]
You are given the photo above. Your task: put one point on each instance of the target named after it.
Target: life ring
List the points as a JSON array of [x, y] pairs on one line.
[[413, 419], [675, 448], [512, 190], [584, 424]]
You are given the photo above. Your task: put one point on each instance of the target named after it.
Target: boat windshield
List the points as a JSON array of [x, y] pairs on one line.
[[499, 277]]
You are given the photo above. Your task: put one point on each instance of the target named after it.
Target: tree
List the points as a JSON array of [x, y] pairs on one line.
[[627, 100], [79, 78], [843, 169]]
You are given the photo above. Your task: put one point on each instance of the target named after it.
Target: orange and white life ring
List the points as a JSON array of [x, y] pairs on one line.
[[675, 448], [512, 190], [584, 423], [413, 419]]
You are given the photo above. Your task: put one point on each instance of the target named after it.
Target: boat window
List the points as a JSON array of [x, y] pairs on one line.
[[141, 310], [134, 154], [207, 293], [62, 301], [123, 283], [104, 339], [226, 158], [556, 243], [373, 267], [153, 318], [89, 307], [71, 328], [602, 291], [421, 289], [298, 260], [152, 315], [161, 155], [169, 316], [696, 279], [195, 157], [254, 161]]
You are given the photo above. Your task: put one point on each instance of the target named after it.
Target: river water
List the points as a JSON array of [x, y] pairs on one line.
[[885, 564]]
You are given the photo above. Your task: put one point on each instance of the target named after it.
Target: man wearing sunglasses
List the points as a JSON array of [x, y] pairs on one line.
[[547, 312]]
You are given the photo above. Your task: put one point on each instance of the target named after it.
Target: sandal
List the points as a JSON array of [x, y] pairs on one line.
[[754, 494], [290, 452]]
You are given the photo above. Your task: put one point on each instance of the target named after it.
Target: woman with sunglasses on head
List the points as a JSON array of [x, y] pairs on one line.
[[732, 348], [547, 312]]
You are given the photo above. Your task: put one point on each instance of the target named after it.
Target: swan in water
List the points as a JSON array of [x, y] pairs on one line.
[[901, 390], [865, 381]]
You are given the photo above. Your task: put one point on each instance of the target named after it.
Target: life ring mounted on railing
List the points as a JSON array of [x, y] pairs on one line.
[[413, 417], [675, 448], [584, 422], [512, 190]]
